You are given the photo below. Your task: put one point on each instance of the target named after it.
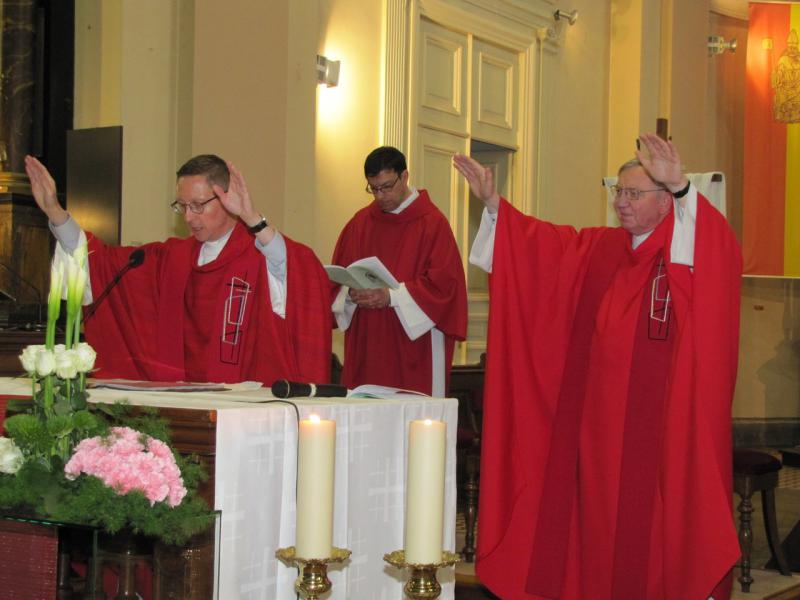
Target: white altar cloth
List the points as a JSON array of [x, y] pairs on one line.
[[255, 485]]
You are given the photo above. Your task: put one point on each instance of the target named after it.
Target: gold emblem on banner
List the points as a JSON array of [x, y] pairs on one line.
[[786, 82]]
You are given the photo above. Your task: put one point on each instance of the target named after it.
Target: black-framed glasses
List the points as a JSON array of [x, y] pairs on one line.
[[631, 194], [180, 208], [378, 189]]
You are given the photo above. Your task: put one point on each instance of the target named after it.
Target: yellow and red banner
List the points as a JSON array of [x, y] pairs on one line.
[[771, 202]]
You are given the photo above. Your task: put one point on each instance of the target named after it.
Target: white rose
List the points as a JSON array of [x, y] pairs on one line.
[[28, 358], [85, 357], [10, 456], [66, 364], [45, 362]]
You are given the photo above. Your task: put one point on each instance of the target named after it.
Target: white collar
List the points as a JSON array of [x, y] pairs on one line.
[[211, 249], [413, 195], [637, 240]]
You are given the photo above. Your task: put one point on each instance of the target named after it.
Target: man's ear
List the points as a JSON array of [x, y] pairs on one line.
[[664, 202], [404, 177]]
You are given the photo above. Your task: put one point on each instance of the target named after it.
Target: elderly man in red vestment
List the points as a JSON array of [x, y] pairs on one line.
[[612, 355], [401, 337], [236, 301]]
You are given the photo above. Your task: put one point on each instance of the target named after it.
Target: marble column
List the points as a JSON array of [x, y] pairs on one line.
[[17, 84]]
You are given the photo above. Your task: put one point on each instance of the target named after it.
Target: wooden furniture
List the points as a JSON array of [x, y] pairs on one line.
[[12, 342], [757, 471], [25, 244], [466, 384]]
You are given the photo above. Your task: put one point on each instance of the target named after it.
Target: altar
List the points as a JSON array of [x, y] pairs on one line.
[[255, 472]]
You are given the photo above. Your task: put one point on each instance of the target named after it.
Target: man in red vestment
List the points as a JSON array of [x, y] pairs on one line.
[[611, 363], [222, 305], [401, 337]]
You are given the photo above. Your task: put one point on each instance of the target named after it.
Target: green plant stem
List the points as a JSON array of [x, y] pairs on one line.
[[48, 396]]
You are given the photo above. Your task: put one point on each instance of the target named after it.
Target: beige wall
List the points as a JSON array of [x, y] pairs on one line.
[[126, 60], [577, 127]]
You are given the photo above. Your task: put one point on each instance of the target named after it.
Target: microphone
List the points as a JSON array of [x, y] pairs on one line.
[[135, 259], [19, 277], [283, 388]]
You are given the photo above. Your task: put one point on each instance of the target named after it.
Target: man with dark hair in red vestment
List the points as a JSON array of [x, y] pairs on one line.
[[401, 337], [611, 363], [236, 301]]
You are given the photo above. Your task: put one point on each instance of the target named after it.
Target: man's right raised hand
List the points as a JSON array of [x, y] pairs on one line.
[[44, 191], [480, 179]]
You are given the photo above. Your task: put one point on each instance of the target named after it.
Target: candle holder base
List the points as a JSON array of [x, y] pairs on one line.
[[422, 583], [312, 580]]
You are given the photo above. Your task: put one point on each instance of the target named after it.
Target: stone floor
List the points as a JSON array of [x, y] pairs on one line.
[[767, 584]]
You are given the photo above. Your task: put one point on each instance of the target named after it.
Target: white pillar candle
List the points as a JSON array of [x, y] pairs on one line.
[[425, 492], [317, 447]]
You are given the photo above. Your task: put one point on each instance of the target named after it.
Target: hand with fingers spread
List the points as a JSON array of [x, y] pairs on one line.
[[662, 162], [44, 191], [237, 201], [480, 179]]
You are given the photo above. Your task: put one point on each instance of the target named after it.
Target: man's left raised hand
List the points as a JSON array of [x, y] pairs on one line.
[[662, 162], [237, 202]]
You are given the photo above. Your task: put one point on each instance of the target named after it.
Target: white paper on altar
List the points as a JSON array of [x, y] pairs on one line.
[[255, 489]]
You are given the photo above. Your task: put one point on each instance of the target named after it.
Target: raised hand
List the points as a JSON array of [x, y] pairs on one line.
[[480, 179], [44, 191], [662, 162], [237, 199]]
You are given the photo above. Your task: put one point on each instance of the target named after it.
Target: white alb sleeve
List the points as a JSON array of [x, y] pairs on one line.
[[683, 234], [343, 308], [482, 253], [413, 319]]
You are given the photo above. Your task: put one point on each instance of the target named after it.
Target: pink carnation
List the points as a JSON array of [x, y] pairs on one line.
[[128, 460]]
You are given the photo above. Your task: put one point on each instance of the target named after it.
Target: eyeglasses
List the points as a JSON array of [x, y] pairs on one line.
[[631, 194], [379, 189], [196, 207]]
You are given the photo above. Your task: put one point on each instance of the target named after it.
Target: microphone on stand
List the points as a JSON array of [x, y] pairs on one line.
[[135, 259], [283, 388], [39, 324]]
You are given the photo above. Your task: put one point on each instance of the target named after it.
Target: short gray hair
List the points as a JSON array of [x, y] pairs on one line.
[[634, 162]]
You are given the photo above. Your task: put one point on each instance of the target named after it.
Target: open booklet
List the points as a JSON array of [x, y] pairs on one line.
[[364, 274], [380, 391]]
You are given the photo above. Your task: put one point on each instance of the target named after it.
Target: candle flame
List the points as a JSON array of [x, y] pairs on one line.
[[314, 418], [428, 422]]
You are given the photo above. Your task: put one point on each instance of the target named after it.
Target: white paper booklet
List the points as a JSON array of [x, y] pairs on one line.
[[364, 274], [381, 391]]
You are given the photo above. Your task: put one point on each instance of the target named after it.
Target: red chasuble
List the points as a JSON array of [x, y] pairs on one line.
[[606, 465], [171, 320], [418, 247]]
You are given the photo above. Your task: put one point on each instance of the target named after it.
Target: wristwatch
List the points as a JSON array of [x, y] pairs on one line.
[[262, 224], [680, 193]]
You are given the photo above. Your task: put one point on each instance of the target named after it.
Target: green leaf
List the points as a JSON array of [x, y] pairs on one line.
[[19, 405]]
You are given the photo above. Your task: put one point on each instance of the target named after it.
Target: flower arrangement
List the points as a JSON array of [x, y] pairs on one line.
[[70, 461]]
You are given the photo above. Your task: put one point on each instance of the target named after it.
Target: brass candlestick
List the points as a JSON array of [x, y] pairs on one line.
[[312, 580], [422, 584]]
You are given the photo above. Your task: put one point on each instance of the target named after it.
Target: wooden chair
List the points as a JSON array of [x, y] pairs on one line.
[[757, 471], [466, 384]]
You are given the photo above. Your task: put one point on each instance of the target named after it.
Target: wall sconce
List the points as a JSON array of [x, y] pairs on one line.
[[328, 71], [718, 45], [569, 16]]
